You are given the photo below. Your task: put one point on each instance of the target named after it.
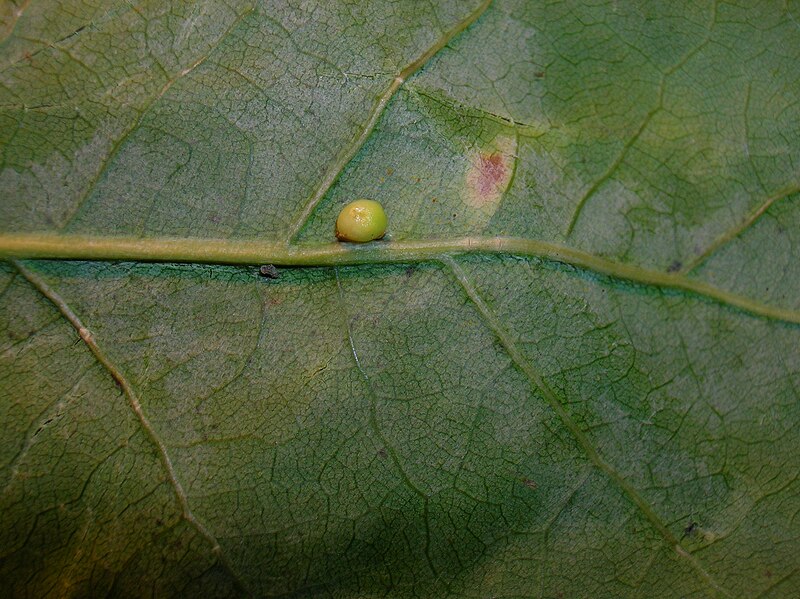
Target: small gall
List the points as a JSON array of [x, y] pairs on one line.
[[361, 221]]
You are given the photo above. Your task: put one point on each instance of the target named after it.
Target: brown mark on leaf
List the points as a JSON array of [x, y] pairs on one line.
[[489, 174], [531, 484]]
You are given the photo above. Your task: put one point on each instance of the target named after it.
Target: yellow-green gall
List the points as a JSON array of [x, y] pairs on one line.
[[360, 221]]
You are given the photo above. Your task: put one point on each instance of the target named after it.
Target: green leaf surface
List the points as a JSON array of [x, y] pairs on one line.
[[572, 368]]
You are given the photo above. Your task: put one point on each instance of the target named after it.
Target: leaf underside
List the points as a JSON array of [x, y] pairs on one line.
[[468, 426]]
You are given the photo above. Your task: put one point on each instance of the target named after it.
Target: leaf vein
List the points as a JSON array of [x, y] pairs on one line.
[[742, 227], [346, 156], [537, 381], [133, 401], [39, 422], [226, 251], [659, 105], [375, 427], [120, 142]]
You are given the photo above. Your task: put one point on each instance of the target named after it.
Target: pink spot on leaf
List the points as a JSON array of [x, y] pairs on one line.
[[487, 178], [490, 173]]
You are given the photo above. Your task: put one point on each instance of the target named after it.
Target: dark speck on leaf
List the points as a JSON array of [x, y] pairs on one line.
[[690, 528], [675, 266], [539, 74], [269, 271], [382, 453], [530, 483], [410, 271]]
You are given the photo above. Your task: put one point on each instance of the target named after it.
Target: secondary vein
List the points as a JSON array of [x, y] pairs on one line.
[[376, 429], [336, 169], [659, 105], [88, 338], [119, 143], [536, 379], [740, 228]]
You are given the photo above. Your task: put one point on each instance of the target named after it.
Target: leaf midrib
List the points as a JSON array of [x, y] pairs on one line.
[[227, 251]]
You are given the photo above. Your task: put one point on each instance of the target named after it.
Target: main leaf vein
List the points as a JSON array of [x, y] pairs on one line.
[[222, 251]]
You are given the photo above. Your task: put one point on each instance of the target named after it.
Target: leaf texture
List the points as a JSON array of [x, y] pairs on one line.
[[586, 384]]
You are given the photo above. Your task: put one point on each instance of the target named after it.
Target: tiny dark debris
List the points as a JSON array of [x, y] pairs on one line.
[[675, 266], [269, 271], [531, 484], [382, 453], [690, 528]]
